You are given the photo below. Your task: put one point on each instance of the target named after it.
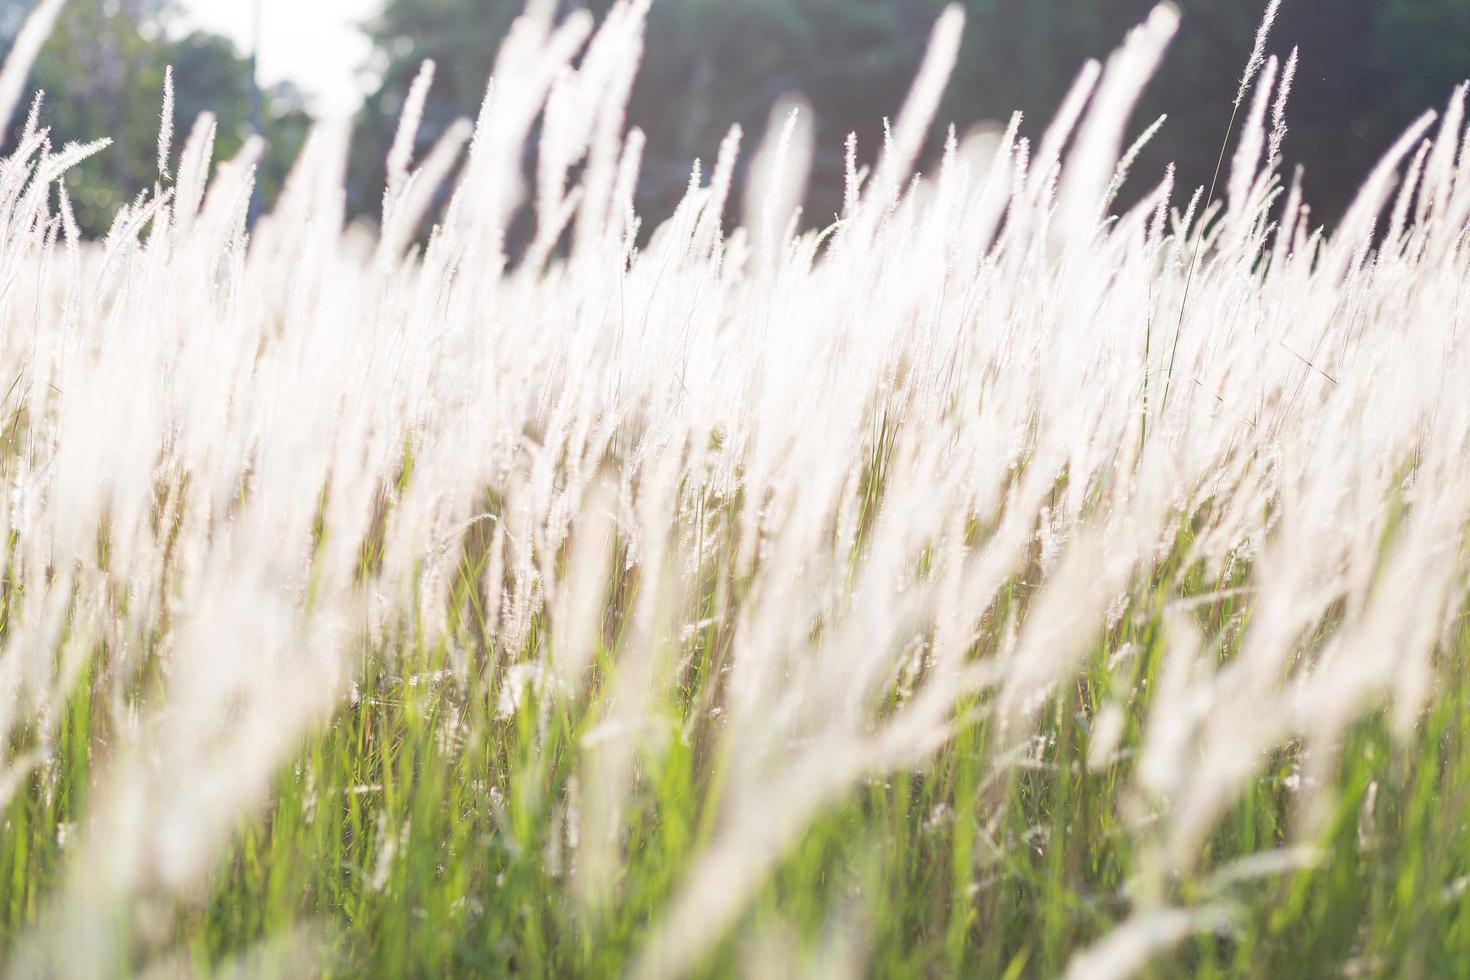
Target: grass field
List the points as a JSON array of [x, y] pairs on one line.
[[1038, 571]]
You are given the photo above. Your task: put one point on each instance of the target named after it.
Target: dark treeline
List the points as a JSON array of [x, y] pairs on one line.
[[102, 74], [1368, 67]]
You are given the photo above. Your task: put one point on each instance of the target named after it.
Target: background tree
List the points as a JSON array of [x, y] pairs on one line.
[[462, 38], [102, 71], [1023, 54], [1368, 68], [1422, 48], [708, 64]]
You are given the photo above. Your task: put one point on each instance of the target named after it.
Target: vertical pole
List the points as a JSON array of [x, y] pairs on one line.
[[255, 26], [256, 98]]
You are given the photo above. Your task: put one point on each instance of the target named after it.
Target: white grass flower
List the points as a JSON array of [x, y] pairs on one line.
[[1258, 53]]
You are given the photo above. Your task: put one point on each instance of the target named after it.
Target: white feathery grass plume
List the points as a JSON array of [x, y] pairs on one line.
[[615, 57], [579, 599], [711, 224], [1069, 614], [193, 174], [1439, 170], [778, 176], [68, 216], [852, 180], [1258, 52], [1243, 168], [1253, 65], [901, 146], [1126, 950], [33, 119], [1278, 110], [625, 189], [1362, 215], [923, 100], [405, 139], [1450, 218], [1049, 153], [1286, 229], [1095, 154], [532, 57], [227, 197], [416, 194], [70, 156], [1125, 165], [1161, 214], [612, 750], [1399, 215], [731, 870], [166, 124], [1176, 710]]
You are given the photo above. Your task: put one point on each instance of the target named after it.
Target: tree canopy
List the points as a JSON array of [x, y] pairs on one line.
[[102, 72], [1367, 69]]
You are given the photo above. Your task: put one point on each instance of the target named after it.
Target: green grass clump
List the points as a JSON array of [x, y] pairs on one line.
[[425, 830]]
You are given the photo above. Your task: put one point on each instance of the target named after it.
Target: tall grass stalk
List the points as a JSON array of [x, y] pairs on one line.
[[692, 598], [1252, 67]]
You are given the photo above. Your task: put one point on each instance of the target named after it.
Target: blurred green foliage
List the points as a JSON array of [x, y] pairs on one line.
[[102, 72], [1368, 68]]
